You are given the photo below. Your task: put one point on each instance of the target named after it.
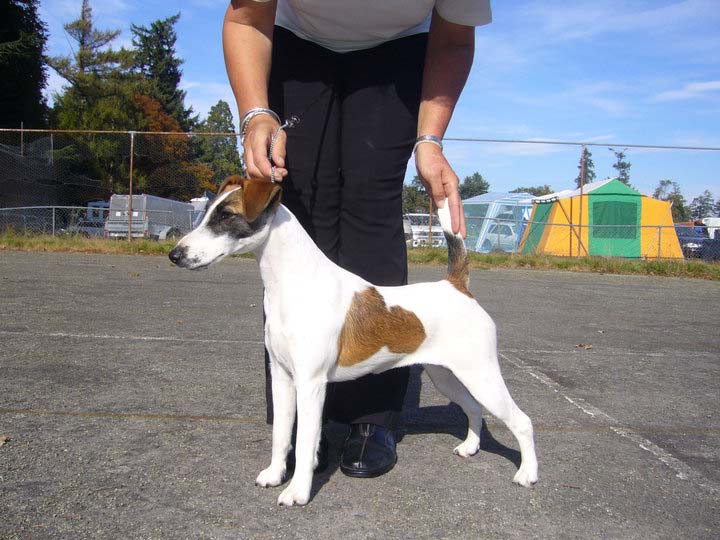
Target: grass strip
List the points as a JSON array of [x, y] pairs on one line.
[[428, 256]]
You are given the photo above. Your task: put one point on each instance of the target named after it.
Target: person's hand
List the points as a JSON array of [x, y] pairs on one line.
[[259, 134], [440, 181]]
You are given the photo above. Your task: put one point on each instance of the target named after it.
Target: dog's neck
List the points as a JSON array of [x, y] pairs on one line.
[[289, 256]]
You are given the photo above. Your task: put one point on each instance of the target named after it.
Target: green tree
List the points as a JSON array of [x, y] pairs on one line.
[[589, 170], [23, 37], [102, 85], [702, 206], [165, 165], [669, 190], [218, 152], [473, 185], [538, 191], [716, 208], [415, 198], [100, 95], [157, 61], [621, 166]]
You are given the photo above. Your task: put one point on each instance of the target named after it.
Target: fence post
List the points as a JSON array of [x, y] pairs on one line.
[[53, 221], [130, 196], [582, 185], [22, 139]]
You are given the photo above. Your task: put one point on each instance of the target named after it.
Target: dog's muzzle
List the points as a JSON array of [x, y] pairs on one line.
[[178, 254]]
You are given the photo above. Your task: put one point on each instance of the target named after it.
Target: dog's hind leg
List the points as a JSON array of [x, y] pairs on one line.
[[455, 391], [484, 381], [283, 392], [310, 399]]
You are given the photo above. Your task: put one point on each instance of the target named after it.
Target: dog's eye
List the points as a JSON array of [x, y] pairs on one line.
[[226, 214]]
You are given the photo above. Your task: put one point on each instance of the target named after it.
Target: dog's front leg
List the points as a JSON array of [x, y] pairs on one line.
[[310, 399], [283, 393]]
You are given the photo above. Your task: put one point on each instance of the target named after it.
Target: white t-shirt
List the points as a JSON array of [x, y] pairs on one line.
[[351, 25]]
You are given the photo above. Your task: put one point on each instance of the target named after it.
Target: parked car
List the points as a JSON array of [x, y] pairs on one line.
[[89, 228], [500, 237], [692, 241]]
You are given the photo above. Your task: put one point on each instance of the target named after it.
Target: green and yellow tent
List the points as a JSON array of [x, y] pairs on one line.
[[606, 218]]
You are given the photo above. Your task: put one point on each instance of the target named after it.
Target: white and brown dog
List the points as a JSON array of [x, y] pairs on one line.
[[326, 324]]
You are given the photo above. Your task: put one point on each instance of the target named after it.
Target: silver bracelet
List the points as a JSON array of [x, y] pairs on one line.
[[432, 139], [252, 113]]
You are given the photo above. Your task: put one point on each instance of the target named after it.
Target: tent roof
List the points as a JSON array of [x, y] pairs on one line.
[[499, 197], [568, 193], [613, 185]]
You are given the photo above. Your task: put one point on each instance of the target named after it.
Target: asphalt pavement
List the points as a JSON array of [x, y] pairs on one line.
[[132, 406]]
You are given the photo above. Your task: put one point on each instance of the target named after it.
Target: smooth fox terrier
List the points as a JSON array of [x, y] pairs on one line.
[[325, 324]]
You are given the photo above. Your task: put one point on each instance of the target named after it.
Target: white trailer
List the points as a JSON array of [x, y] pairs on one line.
[[713, 227], [152, 217], [420, 228]]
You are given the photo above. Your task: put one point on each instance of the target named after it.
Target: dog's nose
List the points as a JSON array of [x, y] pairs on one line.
[[176, 254]]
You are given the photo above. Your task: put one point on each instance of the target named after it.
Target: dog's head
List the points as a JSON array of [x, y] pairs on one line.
[[237, 221]]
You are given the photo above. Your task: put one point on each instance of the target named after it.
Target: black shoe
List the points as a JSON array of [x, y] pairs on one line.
[[322, 456], [369, 451]]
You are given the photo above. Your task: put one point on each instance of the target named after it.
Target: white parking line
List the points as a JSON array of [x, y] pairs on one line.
[[682, 470], [126, 338]]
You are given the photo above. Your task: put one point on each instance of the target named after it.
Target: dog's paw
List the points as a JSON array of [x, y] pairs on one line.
[[270, 477], [467, 449], [526, 476], [293, 495]]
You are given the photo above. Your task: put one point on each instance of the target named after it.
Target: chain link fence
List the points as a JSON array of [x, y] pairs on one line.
[[78, 183]]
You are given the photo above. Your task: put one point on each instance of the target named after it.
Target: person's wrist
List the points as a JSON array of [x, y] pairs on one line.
[[433, 140], [254, 112]]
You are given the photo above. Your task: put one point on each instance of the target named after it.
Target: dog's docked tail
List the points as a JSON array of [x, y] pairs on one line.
[[458, 269]]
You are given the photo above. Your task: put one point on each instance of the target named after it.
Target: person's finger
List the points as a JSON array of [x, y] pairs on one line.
[[250, 168], [278, 153], [450, 185], [260, 147], [455, 209]]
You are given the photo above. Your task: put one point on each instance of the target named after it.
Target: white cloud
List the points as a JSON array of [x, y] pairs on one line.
[[580, 20], [202, 95], [55, 84], [536, 147], [689, 91], [493, 50], [601, 95]]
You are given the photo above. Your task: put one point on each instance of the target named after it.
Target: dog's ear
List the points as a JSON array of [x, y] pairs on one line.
[[231, 182], [258, 196]]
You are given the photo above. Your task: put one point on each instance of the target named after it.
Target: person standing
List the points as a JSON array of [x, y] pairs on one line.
[[371, 83]]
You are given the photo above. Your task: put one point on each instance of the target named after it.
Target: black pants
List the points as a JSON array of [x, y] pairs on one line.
[[346, 161]]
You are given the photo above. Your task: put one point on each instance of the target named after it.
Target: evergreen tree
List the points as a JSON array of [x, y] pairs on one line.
[[23, 37], [415, 198], [100, 96], [102, 85], [589, 170], [473, 185], [157, 61], [669, 190], [702, 206], [716, 208], [621, 166], [219, 152], [538, 191]]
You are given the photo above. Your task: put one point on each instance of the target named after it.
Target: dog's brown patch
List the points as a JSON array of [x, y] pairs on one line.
[[370, 326]]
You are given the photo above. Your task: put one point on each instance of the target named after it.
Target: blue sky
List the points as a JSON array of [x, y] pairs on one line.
[[614, 71]]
